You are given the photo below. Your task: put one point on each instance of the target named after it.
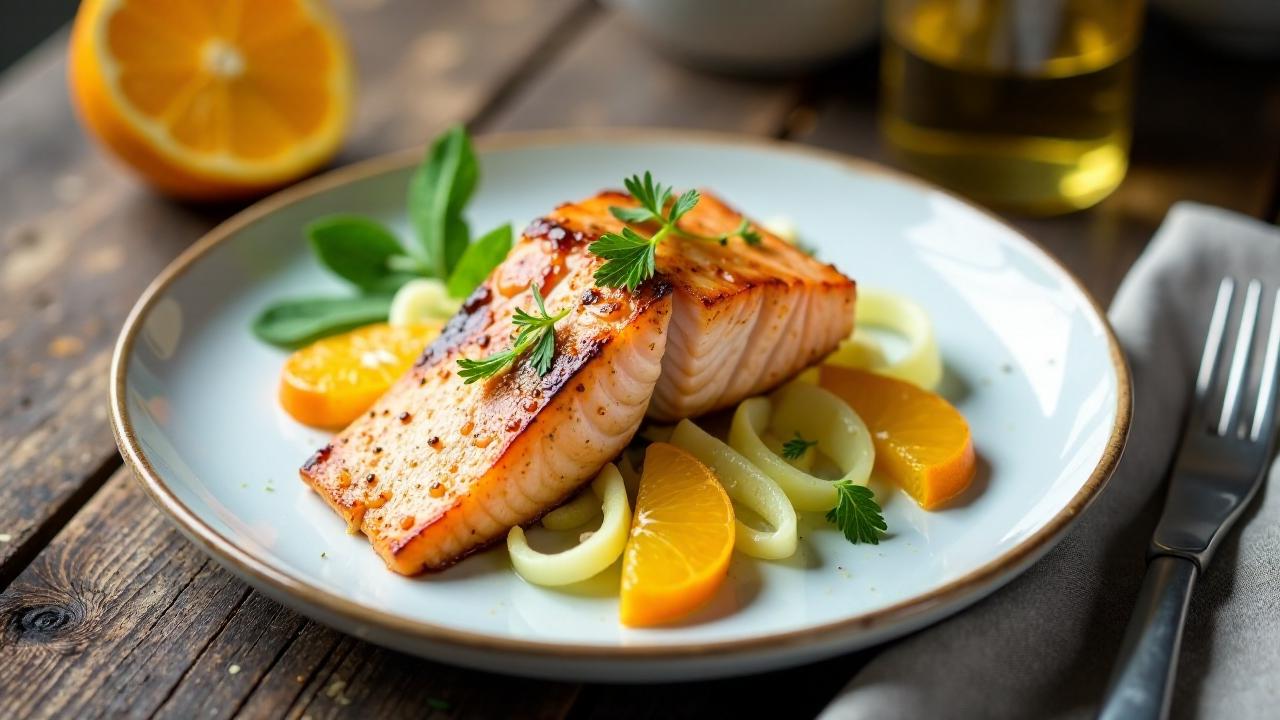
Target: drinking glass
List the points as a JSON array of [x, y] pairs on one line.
[[1023, 105]]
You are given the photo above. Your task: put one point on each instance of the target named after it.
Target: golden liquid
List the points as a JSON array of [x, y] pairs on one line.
[[1029, 114]]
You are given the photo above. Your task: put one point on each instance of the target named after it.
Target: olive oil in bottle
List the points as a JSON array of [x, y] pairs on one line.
[[1023, 105]]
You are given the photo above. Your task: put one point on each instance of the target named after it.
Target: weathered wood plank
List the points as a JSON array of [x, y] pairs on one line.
[[800, 692], [121, 617], [1206, 128], [79, 238], [237, 659], [110, 615], [612, 78], [372, 682]]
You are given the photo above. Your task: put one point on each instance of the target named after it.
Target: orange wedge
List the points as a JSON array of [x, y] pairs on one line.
[[212, 99], [922, 442], [681, 539], [330, 382]]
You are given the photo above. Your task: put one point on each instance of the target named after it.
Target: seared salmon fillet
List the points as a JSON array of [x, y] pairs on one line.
[[744, 319], [439, 468]]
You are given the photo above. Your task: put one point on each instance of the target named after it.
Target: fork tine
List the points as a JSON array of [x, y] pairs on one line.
[[1264, 415], [1228, 423], [1213, 341]]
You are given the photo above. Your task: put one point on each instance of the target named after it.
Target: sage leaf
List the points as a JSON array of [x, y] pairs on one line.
[[438, 192], [293, 323], [358, 249], [479, 259]]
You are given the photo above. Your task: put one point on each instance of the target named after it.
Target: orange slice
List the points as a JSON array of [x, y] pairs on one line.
[[212, 98], [922, 442], [681, 539], [331, 381]]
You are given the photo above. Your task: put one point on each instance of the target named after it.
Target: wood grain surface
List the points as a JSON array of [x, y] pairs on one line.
[[107, 611]]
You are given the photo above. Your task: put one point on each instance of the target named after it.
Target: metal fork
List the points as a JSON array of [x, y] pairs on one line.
[[1220, 466]]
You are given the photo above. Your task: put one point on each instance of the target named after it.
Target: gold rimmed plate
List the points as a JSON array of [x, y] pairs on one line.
[[1030, 361]]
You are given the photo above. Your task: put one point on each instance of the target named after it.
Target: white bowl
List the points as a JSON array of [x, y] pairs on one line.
[[759, 36]]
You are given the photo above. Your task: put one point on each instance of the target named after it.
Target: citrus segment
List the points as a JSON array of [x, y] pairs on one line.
[[681, 539], [212, 98], [922, 442], [331, 381]]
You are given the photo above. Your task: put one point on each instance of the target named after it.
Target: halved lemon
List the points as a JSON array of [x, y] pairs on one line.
[[681, 539], [210, 99], [330, 382], [922, 442]]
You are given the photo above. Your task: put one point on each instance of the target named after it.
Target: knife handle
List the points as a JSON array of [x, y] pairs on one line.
[[1142, 682]]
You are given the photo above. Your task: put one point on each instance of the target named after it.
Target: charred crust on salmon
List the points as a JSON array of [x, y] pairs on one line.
[[317, 457]]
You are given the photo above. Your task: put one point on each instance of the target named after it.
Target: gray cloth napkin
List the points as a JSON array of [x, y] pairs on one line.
[[1044, 645]]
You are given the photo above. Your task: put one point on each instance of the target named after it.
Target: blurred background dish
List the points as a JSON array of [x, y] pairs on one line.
[[754, 36], [1244, 27]]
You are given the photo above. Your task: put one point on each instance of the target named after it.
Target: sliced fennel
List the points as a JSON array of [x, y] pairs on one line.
[[575, 513], [747, 486], [815, 414], [422, 300], [597, 552], [630, 475], [922, 362]]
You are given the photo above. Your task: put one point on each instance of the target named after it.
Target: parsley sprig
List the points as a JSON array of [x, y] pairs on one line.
[[857, 513], [536, 334], [796, 447], [630, 256]]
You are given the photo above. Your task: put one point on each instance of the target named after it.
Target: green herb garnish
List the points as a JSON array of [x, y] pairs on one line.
[[631, 256], [478, 260], [796, 447], [296, 322], [438, 192], [536, 333], [857, 513], [367, 254], [361, 251]]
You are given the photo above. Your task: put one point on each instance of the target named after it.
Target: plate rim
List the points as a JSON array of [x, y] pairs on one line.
[[282, 585]]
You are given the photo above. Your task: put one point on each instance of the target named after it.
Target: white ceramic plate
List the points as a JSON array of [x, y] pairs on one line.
[[1030, 361]]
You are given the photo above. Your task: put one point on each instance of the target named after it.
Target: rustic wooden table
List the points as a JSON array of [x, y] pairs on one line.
[[107, 610]]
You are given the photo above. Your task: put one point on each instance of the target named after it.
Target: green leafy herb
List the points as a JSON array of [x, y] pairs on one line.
[[857, 513], [366, 253], [293, 323], [360, 250], [653, 198], [796, 447], [535, 334], [631, 256], [438, 192], [478, 260]]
